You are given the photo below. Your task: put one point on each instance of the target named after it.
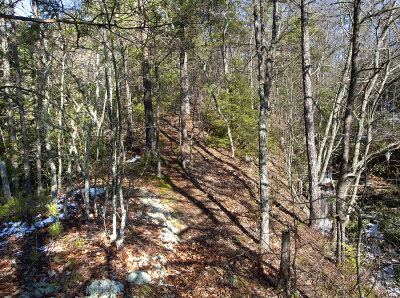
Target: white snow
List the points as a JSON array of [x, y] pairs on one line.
[[2, 244], [133, 159], [386, 275], [43, 249], [372, 231], [92, 191], [19, 229], [43, 222]]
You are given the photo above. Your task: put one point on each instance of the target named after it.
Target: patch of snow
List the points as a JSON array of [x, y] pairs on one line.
[[43, 222], [16, 229], [42, 249], [133, 159], [372, 231], [395, 119], [92, 191]]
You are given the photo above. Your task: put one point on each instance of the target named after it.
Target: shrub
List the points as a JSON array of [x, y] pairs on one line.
[[56, 229]]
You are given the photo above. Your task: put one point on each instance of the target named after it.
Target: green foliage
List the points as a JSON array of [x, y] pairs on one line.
[[79, 242], [76, 276], [56, 229], [57, 259], [236, 104], [34, 256], [145, 291], [396, 268], [72, 263], [145, 162], [389, 225], [165, 183], [19, 208], [53, 210]]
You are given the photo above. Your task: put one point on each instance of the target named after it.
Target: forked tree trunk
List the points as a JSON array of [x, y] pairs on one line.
[[344, 180]]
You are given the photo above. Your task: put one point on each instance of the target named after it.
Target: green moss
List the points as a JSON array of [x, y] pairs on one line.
[[165, 183], [145, 291]]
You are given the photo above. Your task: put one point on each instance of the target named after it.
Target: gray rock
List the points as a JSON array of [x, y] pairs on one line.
[[139, 278], [104, 288], [40, 289]]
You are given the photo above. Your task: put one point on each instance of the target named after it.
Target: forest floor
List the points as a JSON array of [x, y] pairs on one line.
[[212, 209]]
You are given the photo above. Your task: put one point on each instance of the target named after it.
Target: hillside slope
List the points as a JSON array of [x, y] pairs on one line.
[[192, 233]]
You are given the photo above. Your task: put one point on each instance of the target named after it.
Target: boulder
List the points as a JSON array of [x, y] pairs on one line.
[[104, 288], [139, 278]]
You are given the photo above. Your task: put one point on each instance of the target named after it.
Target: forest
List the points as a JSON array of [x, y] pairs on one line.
[[200, 148]]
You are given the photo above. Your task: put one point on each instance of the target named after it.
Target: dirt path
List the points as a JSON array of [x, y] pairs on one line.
[[216, 201]]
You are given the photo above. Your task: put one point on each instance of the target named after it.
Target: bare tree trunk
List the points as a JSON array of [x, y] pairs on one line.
[[60, 112], [120, 173], [224, 49], [20, 104], [148, 104], [69, 179], [46, 120], [158, 122], [344, 180], [89, 142], [128, 95], [10, 111], [39, 51], [4, 181], [265, 82], [225, 120], [284, 272], [325, 153], [184, 90], [317, 206]]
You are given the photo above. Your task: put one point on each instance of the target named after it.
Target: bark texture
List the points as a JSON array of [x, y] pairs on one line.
[[317, 206], [344, 181], [265, 82]]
